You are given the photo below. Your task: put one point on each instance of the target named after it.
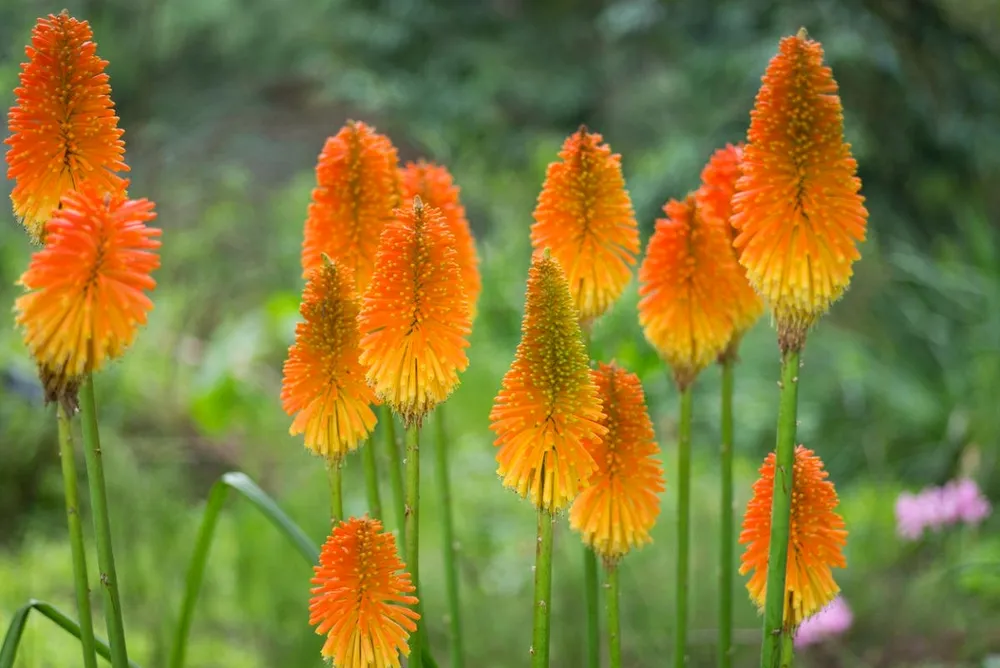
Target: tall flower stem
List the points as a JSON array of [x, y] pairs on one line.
[[412, 463], [102, 525], [614, 623], [591, 585], [448, 538], [395, 469], [781, 504], [787, 650], [590, 591], [543, 591], [726, 525], [683, 527], [334, 467], [371, 478], [67, 457]]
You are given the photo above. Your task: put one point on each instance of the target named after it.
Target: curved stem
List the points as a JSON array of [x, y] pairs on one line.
[[449, 546], [726, 525], [590, 591], [333, 470], [395, 470], [543, 591], [683, 527], [614, 623], [102, 525], [412, 541], [67, 457], [781, 504], [371, 478]]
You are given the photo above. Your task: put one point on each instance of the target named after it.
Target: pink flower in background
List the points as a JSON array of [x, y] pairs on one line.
[[937, 507], [830, 622]]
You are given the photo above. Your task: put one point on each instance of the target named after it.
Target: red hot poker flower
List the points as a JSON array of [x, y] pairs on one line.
[[63, 127], [585, 219]]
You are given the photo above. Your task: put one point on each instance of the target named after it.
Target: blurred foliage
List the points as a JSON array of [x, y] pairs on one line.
[[225, 106]]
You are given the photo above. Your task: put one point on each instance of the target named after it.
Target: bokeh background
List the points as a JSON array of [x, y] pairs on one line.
[[226, 104]]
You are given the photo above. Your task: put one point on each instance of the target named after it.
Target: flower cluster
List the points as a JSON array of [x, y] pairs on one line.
[[832, 621], [958, 501]]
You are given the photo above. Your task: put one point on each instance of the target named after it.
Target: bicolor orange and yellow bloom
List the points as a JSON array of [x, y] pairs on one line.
[[414, 316], [63, 127], [360, 597], [619, 507], [815, 541], [548, 406], [357, 189], [688, 288], [86, 289], [715, 196], [435, 187], [585, 219], [797, 206], [324, 385]]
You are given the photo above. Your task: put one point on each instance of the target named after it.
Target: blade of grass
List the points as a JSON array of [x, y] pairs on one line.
[[196, 569], [8, 651]]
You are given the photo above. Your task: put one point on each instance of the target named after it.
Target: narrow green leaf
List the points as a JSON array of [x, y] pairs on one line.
[[8, 651]]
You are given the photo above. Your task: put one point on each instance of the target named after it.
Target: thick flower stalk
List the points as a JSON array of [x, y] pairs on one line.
[[688, 286], [434, 185], [414, 317], [584, 217], [815, 542], [797, 206], [360, 597], [714, 197], [324, 385], [63, 127], [619, 507], [357, 189], [548, 406], [86, 289]]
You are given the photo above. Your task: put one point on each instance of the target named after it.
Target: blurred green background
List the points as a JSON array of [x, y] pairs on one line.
[[226, 105]]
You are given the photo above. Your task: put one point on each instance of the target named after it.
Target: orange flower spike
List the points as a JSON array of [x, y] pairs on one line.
[[415, 317], [815, 543], [360, 597], [797, 208], [357, 188], [718, 183], [324, 385], [616, 512], [86, 289], [548, 406], [585, 218], [687, 285], [63, 127], [435, 187]]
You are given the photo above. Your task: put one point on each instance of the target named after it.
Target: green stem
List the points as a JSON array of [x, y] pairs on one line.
[[787, 649], [448, 536], [614, 623], [102, 526], [543, 591], [683, 528], [777, 562], [334, 472], [726, 530], [371, 478], [590, 591], [412, 462], [395, 470], [67, 456]]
